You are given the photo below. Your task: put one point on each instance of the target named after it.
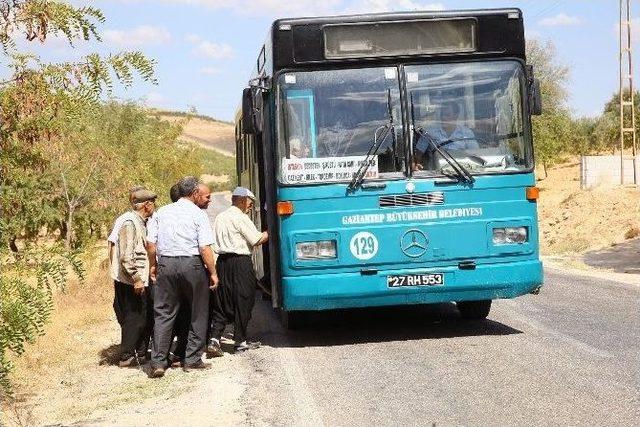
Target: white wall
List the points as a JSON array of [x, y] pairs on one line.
[[605, 170]]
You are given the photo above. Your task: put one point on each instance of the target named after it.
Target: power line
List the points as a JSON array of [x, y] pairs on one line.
[[548, 9]]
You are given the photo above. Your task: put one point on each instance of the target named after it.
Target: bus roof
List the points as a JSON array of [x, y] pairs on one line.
[[300, 42], [387, 16]]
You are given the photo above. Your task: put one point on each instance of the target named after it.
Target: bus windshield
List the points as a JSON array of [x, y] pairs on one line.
[[329, 121], [473, 111]]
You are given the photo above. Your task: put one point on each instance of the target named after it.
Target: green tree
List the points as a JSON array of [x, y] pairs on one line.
[[606, 135], [37, 102], [553, 129], [40, 104]]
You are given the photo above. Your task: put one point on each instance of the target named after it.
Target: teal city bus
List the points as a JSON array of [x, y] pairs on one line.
[[392, 159]]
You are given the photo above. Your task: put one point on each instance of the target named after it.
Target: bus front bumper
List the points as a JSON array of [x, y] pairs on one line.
[[350, 290]]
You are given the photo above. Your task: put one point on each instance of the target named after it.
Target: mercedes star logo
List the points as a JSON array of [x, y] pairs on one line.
[[414, 243]]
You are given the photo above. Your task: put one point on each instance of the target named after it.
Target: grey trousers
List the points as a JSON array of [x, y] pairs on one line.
[[180, 279]]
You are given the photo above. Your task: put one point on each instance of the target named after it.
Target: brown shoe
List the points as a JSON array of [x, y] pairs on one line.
[[213, 349], [156, 373], [175, 361], [199, 365], [125, 363]]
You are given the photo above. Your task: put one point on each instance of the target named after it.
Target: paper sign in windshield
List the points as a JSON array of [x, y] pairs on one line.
[[295, 171]]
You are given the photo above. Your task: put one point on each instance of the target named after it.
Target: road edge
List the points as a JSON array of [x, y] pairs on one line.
[[559, 267]]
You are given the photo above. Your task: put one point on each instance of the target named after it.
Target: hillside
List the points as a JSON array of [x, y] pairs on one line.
[[217, 139], [204, 131]]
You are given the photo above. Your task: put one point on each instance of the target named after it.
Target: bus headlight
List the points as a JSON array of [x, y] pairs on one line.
[[509, 235], [323, 249]]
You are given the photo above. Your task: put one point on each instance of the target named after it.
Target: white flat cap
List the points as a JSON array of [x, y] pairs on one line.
[[243, 192]]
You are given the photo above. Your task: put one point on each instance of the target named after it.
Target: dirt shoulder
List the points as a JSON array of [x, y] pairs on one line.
[[589, 230], [69, 376]]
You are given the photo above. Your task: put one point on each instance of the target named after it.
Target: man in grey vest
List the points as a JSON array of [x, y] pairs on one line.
[[180, 235], [130, 274]]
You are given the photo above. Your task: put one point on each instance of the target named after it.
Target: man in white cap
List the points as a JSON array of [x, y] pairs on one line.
[[235, 236]]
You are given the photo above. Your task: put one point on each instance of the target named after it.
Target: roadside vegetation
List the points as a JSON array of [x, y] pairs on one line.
[[191, 114], [558, 135], [68, 156]]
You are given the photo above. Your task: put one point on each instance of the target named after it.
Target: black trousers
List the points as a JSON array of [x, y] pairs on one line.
[[234, 298], [135, 316], [181, 281]]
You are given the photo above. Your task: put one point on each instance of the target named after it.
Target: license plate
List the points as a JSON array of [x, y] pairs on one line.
[[430, 279]]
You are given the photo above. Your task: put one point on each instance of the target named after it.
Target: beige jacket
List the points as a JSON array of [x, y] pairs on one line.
[[129, 261]]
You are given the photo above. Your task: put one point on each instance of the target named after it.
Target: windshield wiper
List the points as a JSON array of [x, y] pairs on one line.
[[462, 173], [373, 149]]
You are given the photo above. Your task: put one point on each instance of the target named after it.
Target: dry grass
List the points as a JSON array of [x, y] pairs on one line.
[[70, 373], [573, 220]]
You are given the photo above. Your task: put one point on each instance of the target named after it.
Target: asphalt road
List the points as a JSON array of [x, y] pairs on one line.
[[569, 356]]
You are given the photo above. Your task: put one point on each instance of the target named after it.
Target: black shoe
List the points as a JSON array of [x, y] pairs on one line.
[[156, 373], [199, 365], [244, 346]]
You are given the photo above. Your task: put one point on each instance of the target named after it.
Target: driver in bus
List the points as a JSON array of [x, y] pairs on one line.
[[450, 128]]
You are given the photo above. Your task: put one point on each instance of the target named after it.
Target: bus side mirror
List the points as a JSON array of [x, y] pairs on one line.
[[248, 115], [535, 98]]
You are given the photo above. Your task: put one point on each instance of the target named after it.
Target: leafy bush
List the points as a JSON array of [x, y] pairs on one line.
[[27, 304]]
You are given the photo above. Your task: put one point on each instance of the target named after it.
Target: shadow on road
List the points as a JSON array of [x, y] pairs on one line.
[[621, 258], [384, 324]]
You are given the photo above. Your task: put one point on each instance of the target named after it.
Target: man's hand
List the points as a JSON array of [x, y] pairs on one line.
[[153, 273], [214, 282], [138, 287]]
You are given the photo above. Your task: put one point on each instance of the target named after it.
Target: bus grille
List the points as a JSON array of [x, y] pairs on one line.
[[398, 200]]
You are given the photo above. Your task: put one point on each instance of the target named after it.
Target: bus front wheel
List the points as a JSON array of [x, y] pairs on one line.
[[474, 310]]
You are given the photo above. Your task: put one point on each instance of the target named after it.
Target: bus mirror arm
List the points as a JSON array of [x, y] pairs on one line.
[[262, 82]]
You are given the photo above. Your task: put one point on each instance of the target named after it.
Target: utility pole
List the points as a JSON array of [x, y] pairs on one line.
[[626, 91]]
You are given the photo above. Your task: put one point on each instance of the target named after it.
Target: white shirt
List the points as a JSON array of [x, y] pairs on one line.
[[179, 229], [234, 233], [439, 135]]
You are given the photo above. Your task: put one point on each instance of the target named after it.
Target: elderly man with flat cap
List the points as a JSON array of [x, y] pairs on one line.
[[130, 274], [180, 236], [235, 236]]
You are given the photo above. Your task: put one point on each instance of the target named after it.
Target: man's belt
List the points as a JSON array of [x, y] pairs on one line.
[[179, 256]]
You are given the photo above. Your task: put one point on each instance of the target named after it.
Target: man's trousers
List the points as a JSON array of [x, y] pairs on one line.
[[234, 298], [135, 316], [181, 280]]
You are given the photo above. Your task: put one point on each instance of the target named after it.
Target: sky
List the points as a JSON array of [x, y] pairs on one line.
[[206, 49]]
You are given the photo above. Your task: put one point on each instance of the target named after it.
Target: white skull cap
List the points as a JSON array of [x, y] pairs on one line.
[[243, 192]]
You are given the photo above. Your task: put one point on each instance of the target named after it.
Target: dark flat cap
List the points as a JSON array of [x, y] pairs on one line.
[[142, 195]]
